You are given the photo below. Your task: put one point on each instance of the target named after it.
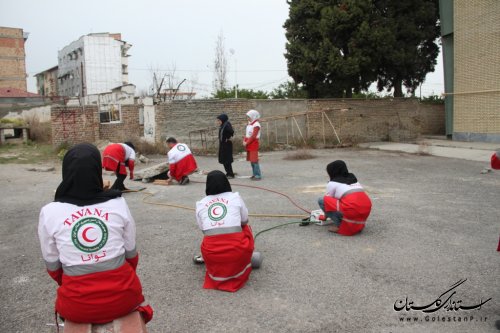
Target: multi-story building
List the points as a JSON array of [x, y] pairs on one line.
[[12, 58], [93, 64], [471, 47], [46, 82]]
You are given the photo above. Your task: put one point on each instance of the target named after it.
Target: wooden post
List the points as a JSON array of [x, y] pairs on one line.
[[323, 125], [2, 136]]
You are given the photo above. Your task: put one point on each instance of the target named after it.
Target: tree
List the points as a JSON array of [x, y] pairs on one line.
[[329, 48], [242, 93], [410, 49], [339, 47], [165, 83], [220, 64], [288, 90]]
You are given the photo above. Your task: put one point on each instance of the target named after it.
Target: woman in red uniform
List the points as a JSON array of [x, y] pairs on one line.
[[228, 243], [117, 157], [495, 160], [181, 162], [345, 202], [251, 143], [87, 236]]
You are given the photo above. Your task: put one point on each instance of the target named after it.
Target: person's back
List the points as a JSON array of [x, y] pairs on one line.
[[181, 161], [228, 242], [345, 200], [87, 237]]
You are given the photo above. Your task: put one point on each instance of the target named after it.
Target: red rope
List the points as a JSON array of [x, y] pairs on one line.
[[268, 190]]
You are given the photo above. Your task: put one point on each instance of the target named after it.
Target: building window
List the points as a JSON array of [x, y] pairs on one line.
[[110, 113]]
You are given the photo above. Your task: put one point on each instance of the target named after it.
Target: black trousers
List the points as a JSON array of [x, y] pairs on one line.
[[229, 169], [118, 184]]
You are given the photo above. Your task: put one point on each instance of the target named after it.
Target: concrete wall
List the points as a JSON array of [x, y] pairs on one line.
[[360, 120], [178, 118], [477, 70]]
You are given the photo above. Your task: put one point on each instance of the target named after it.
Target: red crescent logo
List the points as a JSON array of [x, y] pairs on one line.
[[215, 211], [84, 235]]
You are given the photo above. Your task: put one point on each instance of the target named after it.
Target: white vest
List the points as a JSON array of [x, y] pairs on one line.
[[129, 152], [224, 210], [178, 152], [75, 235], [337, 190], [249, 130]]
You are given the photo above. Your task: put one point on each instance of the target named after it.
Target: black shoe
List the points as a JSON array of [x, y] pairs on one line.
[[230, 176], [184, 180]]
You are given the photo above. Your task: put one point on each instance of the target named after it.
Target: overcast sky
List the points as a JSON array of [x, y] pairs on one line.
[[167, 35]]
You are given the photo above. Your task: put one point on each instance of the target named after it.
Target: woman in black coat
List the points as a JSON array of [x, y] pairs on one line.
[[225, 145]]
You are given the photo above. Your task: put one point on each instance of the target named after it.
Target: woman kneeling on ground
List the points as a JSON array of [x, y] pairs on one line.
[[345, 202], [228, 243]]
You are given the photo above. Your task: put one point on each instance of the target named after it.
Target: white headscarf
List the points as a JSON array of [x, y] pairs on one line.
[[253, 115]]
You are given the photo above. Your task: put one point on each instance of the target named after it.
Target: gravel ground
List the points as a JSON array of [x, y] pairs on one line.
[[435, 221]]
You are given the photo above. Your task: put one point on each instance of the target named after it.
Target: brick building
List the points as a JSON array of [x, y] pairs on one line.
[[471, 47], [46, 82], [12, 58]]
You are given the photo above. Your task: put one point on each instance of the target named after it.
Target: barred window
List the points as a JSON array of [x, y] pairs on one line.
[[110, 113]]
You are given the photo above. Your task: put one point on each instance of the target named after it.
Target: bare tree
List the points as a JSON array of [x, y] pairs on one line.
[[220, 64], [166, 84]]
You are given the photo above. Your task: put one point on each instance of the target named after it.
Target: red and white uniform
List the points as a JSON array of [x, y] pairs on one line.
[[228, 242], [251, 139], [115, 155], [181, 161], [91, 253], [352, 201], [495, 160]]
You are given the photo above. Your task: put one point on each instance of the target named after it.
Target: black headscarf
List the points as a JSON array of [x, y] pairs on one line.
[[338, 172], [217, 183], [223, 117], [226, 130], [82, 177]]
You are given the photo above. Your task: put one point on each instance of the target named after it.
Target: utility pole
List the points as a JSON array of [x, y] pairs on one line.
[[232, 51]]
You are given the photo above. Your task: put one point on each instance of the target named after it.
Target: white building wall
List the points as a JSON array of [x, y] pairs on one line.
[[103, 64], [91, 65]]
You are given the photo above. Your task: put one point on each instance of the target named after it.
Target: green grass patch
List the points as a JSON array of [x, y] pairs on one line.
[[26, 153]]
